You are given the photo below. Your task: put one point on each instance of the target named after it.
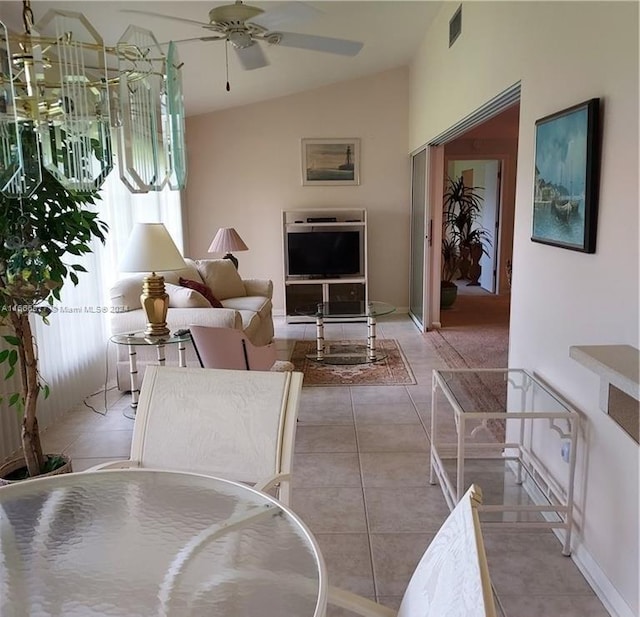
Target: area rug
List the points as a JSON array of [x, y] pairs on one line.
[[392, 370]]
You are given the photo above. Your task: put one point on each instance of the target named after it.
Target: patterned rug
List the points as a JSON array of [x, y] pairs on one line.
[[392, 370]]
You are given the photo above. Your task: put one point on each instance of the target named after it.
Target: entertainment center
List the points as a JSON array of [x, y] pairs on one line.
[[325, 259]]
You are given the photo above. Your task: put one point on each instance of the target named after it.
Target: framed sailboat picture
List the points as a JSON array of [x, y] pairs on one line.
[[567, 165], [330, 162]]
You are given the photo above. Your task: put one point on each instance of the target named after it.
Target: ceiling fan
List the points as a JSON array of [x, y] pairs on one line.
[[243, 26]]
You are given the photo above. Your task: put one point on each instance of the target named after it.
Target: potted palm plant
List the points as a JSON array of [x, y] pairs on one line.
[[462, 210], [39, 238], [450, 268]]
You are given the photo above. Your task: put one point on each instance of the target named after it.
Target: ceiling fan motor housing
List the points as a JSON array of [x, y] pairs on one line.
[[233, 15]]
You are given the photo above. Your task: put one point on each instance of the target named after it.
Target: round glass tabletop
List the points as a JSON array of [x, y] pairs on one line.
[[145, 542]]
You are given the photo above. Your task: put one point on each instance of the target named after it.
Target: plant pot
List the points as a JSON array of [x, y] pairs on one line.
[[16, 464], [448, 294]]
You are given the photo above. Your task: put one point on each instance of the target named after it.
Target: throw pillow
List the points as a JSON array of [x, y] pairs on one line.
[[222, 278], [183, 297], [202, 289]]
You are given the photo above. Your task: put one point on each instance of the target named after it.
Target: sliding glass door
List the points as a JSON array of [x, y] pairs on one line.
[[418, 235]]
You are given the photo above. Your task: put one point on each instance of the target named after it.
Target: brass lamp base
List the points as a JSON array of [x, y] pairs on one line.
[[155, 303]]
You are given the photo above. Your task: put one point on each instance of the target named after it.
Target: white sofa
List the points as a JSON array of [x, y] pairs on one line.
[[246, 306]]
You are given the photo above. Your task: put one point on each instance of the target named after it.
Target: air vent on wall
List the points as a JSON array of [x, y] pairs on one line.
[[455, 26]]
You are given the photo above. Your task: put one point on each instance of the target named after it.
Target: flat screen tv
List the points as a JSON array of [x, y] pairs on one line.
[[324, 253]]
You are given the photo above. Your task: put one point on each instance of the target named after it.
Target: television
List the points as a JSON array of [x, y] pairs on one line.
[[323, 254]]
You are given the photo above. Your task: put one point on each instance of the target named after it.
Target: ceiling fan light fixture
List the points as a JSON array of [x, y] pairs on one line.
[[240, 39]]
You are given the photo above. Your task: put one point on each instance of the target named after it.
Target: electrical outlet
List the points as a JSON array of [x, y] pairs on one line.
[[565, 451]]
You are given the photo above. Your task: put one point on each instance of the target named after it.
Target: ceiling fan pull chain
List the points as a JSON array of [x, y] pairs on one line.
[[226, 62]]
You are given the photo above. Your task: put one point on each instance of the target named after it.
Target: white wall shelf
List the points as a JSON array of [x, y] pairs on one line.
[[618, 367]]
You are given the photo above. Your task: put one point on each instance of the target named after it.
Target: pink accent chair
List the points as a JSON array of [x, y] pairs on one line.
[[227, 348]]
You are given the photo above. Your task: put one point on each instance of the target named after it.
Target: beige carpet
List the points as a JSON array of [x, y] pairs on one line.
[[392, 370], [475, 334]]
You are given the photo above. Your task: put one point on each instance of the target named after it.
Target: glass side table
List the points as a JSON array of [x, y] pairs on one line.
[[135, 339], [510, 433], [347, 310]]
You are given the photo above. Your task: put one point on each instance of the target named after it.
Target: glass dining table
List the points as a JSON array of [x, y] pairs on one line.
[[141, 542]]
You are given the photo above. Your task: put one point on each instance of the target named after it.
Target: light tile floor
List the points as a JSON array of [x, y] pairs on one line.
[[361, 474]]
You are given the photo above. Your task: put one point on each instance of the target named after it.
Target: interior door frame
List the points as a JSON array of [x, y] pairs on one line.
[[502, 160], [435, 181]]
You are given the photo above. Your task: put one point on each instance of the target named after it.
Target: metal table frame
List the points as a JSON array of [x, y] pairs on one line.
[[132, 340], [371, 311], [519, 454]]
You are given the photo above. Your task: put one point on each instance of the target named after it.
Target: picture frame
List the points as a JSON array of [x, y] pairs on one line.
[[567, 167], [330, 162]]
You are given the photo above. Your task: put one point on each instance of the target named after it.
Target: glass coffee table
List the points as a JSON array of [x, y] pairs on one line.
[[347, 310]]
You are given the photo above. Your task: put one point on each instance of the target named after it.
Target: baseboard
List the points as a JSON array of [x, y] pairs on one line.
[[601, 585], [613, 602]]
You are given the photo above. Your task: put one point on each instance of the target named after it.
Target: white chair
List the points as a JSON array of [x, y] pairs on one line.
[[227, 348], [451, 579], [238, 425]]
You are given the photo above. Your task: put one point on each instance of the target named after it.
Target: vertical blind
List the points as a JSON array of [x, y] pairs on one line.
[[72, 349]]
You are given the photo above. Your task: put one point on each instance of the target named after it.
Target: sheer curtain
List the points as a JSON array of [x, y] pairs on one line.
[[73, 349]]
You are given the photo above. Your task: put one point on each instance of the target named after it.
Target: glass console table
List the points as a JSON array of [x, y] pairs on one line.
[[346, 311], [511, 434]]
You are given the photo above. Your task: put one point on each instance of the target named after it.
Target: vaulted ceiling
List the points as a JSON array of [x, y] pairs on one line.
[[390, 30]]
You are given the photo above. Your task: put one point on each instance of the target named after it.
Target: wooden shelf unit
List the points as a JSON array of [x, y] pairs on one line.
[[301, 290]]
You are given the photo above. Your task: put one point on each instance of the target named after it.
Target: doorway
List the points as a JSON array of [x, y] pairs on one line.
[[484, 176], [488, 152]]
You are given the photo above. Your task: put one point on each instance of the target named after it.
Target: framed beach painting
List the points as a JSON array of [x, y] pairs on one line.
[[327, 162], [567, 165]]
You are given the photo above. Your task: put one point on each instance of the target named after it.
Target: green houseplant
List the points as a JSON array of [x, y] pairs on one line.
[[450, 268], [462, 210], [39, 238]]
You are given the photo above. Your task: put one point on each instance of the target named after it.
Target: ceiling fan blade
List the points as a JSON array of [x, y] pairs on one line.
[[252, 57], [196, 38], [287, 12], [342, 47], [203, 24]]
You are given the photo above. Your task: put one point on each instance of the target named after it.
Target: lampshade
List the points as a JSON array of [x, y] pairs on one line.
[[227, 240], [151, 249]]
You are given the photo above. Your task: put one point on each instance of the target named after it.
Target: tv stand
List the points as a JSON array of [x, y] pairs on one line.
[[305, 290]]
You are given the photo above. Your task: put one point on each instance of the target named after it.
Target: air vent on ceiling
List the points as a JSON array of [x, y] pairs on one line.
[[455, 26]]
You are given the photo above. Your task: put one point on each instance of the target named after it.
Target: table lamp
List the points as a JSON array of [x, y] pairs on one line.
[[227, 240], [150, 249]]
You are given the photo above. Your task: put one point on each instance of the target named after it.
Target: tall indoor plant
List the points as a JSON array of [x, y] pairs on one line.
[[450, 268], [39, 238], [462, 211]]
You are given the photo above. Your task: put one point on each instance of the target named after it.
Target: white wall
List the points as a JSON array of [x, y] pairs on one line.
[[563, 53], [244, 169]]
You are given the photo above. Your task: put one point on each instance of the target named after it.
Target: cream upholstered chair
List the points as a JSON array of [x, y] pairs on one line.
[[226, 348], [237, 425], [451, 579]]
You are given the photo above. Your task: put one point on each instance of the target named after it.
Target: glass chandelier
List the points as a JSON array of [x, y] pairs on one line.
[[68, 103]]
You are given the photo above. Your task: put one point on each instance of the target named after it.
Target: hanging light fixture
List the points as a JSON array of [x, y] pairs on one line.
[[65, 98]]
